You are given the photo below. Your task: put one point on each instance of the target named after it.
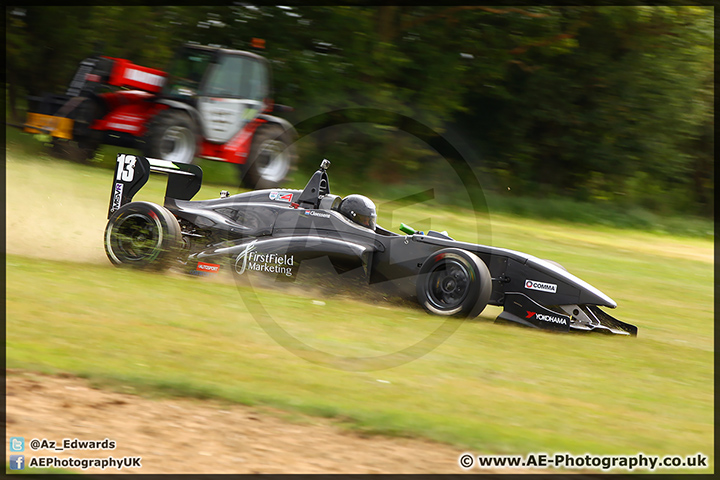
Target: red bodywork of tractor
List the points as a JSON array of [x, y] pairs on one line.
[[130, 111], [128, 75], [213, 104]]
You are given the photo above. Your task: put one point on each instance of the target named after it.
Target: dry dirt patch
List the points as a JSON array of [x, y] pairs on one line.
[[193, 436]]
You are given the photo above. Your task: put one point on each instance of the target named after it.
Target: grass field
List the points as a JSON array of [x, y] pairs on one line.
[[488, 388]]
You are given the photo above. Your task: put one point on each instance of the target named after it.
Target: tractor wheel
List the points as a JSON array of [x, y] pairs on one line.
[[142, 235], [89, 110], [172, 135], [85, 140], [453, 282], [75, 151], [272, 155]]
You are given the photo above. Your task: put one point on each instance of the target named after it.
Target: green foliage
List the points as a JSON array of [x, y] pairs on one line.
[[594, 103], [625, 102]]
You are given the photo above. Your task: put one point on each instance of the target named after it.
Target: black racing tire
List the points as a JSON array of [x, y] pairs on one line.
[[143, 235], [453, 282], [172, 135], [272, 156]]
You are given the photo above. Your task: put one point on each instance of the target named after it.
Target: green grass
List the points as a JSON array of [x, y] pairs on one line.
[[214, 173], [488, 388], [604, 214], [626, 217]]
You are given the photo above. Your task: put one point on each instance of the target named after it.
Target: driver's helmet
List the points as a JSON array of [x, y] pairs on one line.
[[360, 210]]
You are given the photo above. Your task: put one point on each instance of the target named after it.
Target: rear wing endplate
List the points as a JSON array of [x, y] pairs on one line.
[[133, 171]]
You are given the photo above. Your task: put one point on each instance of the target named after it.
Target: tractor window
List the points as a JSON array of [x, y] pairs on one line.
[[186, 72], [255, 82], [237, 76]]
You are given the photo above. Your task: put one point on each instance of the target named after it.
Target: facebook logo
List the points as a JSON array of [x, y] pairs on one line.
[[17, 444], [17, 462]]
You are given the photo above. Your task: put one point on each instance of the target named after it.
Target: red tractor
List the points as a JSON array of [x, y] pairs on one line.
[[213, 103]]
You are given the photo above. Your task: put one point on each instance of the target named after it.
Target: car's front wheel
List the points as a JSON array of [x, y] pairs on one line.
[[453, 282]]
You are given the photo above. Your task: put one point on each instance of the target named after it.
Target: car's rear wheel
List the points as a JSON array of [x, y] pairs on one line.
[[171, 135], [453, 282], [142, 235], [272, 155]]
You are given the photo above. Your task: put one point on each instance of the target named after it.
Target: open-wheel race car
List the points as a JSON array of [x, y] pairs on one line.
[[276, 231]]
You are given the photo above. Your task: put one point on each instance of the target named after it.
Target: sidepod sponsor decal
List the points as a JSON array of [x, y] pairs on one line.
[[543, 287], [251, 260]]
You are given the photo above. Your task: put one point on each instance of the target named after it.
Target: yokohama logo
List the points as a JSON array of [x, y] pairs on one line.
[[546, 318], [207, 267], [543, 287]]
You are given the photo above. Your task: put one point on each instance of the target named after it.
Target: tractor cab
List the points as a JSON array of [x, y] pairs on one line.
[[228, 87], [213, 103]]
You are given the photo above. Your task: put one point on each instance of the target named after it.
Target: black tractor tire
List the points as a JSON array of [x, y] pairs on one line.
[[84, 114], [272, 156], [143, 235], [172, 135], [85, 140], [453, 282], [76, 151]]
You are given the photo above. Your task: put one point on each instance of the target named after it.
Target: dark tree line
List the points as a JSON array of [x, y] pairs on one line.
[[599, 103]]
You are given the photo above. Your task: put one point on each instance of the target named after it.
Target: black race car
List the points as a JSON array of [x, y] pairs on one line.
[[276, 231]]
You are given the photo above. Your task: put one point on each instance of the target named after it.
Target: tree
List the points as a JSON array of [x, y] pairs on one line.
[[596, 102], [609, 111]]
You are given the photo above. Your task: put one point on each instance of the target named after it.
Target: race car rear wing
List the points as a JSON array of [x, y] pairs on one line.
[[133, 171]]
